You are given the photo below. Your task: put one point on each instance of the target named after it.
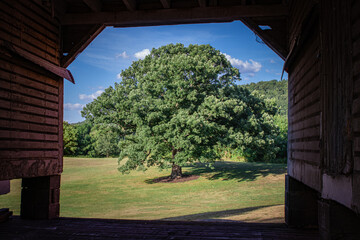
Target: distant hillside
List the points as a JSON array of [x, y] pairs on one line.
[[273, 89]]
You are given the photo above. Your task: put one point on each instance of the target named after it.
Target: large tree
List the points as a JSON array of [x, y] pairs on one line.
[[179, 103]]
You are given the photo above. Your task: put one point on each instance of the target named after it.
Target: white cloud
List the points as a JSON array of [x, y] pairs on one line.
[[250, 66], [142, 54], [73, 106], [118, 76], [91, 96], [122, 55]]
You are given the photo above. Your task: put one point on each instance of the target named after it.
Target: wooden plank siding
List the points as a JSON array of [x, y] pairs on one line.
[[337, 90], [356, 78], [304, 156], [355, 37], [30, 97]]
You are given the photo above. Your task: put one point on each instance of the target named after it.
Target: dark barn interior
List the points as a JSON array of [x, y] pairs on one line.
[[320, 43]]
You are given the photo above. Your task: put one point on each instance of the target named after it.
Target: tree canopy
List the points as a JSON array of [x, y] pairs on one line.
[[278, 90], [70, 139], [178, 104]]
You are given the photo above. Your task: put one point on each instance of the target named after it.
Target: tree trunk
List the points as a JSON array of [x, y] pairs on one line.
[[176, 171]]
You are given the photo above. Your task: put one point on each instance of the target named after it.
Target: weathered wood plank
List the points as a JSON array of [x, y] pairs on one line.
[[26, 117], [21, 145], [302, 102], [31, 9], [27, 23], [65, 228], [16, 98], [25, 108], [60, 124], [356, 106], [312, 133], [26, 72], [337, 81], [15, 154], [307, 110], [17, 32], [28, 167], [28, 47], [26, 126], [313, 157], [313, 121], [20, 89], [174, 16], [9, 134], [312, 145], [311, 82]]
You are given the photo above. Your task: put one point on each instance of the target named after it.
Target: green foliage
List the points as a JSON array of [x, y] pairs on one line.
[[105, 141], [277, 90], [70, 139], [179, 104], [84, 140], [281, 121]]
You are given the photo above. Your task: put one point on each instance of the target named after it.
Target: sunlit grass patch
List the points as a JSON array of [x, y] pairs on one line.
[[93, 188]]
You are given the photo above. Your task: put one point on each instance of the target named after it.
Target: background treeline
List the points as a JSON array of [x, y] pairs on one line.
[[86, 139]]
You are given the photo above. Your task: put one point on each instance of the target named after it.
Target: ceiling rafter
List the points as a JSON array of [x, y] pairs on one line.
[[166, 3], [82, 44], [266, 38], [94, 5], [175, 16], [130, 4]]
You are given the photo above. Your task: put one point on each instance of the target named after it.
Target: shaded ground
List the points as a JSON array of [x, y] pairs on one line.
[[264, 214], [168, 179], [240, 171]]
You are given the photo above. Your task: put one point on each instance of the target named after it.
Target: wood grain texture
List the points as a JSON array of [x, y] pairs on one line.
[[72, 228], [30, 97], [337, 86]]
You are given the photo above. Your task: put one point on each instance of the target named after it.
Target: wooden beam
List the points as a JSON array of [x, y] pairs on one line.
[[81, 45], [202, 3], [166, 3], [130, 4], [266, 38], [94, 5], [174, 16], [213, 3]]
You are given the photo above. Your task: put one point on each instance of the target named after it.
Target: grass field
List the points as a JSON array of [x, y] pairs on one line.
[[93, 188]]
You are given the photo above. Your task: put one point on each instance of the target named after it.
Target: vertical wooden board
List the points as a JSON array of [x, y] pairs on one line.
[[60, 126], [336, 63]]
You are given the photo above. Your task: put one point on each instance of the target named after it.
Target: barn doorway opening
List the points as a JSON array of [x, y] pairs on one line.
[[217, 193], [116, 49]]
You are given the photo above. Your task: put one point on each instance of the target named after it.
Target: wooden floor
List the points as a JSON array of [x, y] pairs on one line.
[[87, 229]]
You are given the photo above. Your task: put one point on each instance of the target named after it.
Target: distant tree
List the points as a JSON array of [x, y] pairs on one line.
[[178, 104], [70, 139], [278, 90], [105, 140], [84, 140]]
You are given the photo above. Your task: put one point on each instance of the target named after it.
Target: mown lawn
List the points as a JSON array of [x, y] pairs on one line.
[[93, 188]]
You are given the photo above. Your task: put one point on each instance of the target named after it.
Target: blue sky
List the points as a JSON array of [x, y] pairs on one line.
[[99, 65]]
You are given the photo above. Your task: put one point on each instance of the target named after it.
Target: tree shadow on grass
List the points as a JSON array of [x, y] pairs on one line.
[[215, 215], [225, 170], [240, 171]]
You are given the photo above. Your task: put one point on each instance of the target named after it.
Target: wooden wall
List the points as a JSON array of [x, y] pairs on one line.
[[324, 98], [31, 98], [355, 26], [304, 158]]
